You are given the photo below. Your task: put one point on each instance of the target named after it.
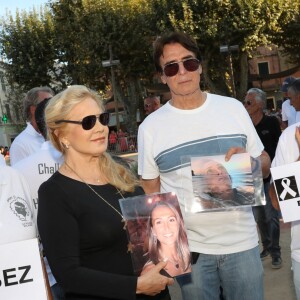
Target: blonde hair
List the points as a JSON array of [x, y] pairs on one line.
[[59, 108]]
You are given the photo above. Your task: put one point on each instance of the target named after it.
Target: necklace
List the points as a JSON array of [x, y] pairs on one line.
[[122, 217], [175, 263]]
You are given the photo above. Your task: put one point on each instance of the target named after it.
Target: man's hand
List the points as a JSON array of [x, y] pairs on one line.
[[234, 150], [264, 158]]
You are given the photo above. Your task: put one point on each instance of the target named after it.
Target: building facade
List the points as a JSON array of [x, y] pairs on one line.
[[268, 68], [11, 122]]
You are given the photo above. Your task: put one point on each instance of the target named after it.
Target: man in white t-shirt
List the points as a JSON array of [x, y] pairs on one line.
[[29, 140], [16, 216], [196, 123], [287, 152], [38, 167], [288, 112]]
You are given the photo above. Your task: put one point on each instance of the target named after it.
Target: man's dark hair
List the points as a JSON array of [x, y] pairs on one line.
[[40, 117], [294, 88], [171, 38]]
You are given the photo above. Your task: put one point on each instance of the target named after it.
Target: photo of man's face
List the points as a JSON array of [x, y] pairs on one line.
[[217, 179], [221, 184]]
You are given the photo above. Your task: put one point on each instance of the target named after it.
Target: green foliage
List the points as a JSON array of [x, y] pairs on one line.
[[287, 35], [26, 43], [76, 34], [246, 23]]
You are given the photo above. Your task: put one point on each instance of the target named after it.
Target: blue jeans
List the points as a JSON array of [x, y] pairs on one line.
[[267, 219], [239, 274]]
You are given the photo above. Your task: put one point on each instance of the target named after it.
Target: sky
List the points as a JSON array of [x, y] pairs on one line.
[[12, 5]]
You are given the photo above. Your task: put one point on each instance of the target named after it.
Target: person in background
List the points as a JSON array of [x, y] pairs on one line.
[[151, 104], [266, 216], [197, 123], [122, 140], [38, 167], [287, 152], [79, 218], [288, 112], [112, 138], [29, 140]]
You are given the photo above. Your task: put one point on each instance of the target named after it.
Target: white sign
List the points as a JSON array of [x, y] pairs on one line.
[[21, 274], [287, 185]]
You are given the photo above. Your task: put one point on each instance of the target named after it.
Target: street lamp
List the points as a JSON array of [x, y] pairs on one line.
[[110, 63], [229, 49]]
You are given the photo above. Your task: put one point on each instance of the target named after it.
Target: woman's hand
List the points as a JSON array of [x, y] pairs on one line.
[[152, 282]]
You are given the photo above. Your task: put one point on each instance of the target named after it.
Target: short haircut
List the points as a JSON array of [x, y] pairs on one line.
[[171, 38], [32, 99], [294, 88], [40, 117], [260, 95]]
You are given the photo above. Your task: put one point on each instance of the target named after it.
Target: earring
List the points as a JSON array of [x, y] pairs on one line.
[[155, 239], [66, 146]]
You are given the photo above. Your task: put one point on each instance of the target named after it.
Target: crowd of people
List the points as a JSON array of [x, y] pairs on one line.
[[71, 185]]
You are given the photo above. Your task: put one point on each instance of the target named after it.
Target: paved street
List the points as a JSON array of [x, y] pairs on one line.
[[278, 283]]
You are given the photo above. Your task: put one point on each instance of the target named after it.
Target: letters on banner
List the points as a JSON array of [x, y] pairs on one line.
[[21, 273], [287, 182]]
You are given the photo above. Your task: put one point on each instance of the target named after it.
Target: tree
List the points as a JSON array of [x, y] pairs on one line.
[[287, 35], [246, 23], [94, 26], [27, 44], [68, 42]]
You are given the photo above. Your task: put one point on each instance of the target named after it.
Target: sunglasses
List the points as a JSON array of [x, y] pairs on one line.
[[190, 64], [89, 122], [248, 102]]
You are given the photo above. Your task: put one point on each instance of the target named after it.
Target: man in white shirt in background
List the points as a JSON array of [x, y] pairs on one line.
[[288, 152], [29, 140], [288, 112], [38, 167]]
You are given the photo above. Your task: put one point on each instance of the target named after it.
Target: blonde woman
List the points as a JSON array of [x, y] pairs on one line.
[[79, 217]]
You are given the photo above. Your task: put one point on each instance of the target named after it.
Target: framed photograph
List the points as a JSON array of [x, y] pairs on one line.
[[221, 185], [286, 180], [156, 232]]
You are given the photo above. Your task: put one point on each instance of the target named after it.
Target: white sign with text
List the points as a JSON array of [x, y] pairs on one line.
[[21, 273]]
